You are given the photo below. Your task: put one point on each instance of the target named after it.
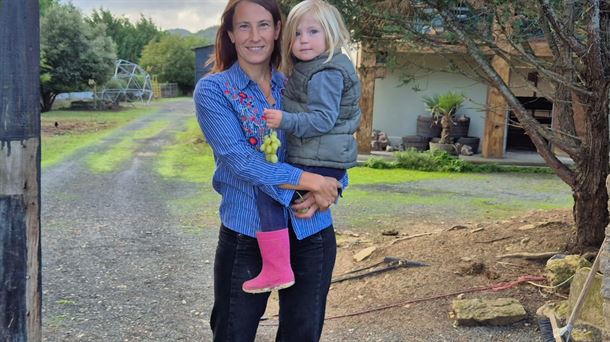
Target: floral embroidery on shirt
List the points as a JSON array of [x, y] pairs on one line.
[[253, 124]]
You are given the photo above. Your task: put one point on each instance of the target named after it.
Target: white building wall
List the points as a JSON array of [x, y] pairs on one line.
[[396, 107]]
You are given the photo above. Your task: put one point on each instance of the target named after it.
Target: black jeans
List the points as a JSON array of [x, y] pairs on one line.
[[236, 314]]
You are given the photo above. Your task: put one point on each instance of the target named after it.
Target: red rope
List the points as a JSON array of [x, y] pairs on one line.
[[510, 284], [495, 287]]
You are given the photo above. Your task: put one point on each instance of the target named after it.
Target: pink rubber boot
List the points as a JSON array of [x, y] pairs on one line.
[[276, 273]]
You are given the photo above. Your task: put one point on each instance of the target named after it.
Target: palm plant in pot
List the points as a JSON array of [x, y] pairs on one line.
[[443, 108]]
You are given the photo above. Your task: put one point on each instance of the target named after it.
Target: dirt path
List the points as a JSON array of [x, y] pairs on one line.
[[118, 265]]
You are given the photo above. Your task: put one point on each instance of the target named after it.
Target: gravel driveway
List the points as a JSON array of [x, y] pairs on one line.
[[118, 265]]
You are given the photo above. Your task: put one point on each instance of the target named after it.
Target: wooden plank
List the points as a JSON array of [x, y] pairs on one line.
[[20, 69], [367, 71], [20, 260], [13, 262]]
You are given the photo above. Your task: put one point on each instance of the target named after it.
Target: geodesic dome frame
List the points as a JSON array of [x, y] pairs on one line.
[[135, 83]]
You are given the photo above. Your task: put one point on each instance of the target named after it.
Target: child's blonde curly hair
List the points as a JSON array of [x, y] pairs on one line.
[[337, 35]]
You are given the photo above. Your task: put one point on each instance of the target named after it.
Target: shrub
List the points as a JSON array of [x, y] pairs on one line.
[[441, 161]]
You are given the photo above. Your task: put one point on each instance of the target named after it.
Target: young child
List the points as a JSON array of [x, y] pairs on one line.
[[321, 114]]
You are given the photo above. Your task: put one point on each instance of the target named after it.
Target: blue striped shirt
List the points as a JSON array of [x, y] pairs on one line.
[[229, 108]]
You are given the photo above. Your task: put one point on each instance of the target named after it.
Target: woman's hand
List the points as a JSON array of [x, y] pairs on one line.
[[327, 193], [306, 207], [324, 190], [273, 117]]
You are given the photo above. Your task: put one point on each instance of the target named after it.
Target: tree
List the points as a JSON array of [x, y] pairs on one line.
[[130, 39], [172, 59], [20, 260], [490, 38], [73, 52], [46, 4]]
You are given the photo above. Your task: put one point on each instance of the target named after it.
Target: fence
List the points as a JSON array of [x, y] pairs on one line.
[[168, 89]]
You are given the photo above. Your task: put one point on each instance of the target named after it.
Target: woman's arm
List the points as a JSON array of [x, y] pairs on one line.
[[224, 134]]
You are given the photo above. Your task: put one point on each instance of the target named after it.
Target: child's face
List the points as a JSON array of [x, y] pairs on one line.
[[309, 40]]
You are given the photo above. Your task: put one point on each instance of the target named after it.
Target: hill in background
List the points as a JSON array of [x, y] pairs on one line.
[[209, 34]]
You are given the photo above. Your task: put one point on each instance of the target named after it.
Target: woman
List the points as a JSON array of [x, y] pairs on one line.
[[230, 105]]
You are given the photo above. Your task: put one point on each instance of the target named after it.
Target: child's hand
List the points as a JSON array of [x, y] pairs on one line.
[[273, 117]]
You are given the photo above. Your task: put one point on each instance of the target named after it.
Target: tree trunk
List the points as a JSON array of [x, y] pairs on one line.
[[20, 278], [46, 101], [590, 195], [366, 69], [591, 217], [446, 130]]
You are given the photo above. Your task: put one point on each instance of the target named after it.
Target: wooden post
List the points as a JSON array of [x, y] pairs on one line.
[[495, 118], [497, 107], [605, 269], [20, 277], [367, 71]]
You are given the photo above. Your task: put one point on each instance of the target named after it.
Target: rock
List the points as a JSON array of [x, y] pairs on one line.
[[592, 309], [365, 253], [528, 227], [466, 150], [585, 335], [561, 267], [390, 232], [501, 311], [474, 268]]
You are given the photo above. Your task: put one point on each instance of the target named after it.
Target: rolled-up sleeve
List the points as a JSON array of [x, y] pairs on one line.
[[324, 92], [223, 133]]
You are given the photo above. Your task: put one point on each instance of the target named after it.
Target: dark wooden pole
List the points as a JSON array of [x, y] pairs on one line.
[[20, 277]]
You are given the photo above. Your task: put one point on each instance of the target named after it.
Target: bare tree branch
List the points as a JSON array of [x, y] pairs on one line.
[[559, 29], [594, 50], [550, 36]]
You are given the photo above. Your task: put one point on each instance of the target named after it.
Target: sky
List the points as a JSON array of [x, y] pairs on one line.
[[193, 15]]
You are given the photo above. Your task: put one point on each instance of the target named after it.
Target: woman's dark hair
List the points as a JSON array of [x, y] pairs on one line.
[[225, 54]]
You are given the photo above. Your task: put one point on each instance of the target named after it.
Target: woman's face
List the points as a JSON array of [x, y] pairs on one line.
[[254, 34]]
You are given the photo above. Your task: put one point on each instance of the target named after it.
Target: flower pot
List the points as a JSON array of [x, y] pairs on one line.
[[460, 127], [417, 142], [427, 127]]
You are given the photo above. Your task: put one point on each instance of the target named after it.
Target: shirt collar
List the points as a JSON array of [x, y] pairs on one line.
[[241, 80]]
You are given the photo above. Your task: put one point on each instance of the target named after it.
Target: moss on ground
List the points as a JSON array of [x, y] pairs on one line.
[[111, 159]]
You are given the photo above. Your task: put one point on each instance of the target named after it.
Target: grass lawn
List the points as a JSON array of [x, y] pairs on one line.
[[109, 160], [390, 195], [65, 132]]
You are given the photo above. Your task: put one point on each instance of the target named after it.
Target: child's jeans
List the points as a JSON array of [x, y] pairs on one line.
[[272, 214]]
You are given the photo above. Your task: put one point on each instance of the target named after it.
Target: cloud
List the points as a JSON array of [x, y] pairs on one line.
[[192, 15]]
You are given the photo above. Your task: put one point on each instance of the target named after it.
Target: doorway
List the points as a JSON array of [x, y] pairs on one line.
[[541, 109]]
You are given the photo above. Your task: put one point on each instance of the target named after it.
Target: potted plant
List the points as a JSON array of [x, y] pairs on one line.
[[443, 108]]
